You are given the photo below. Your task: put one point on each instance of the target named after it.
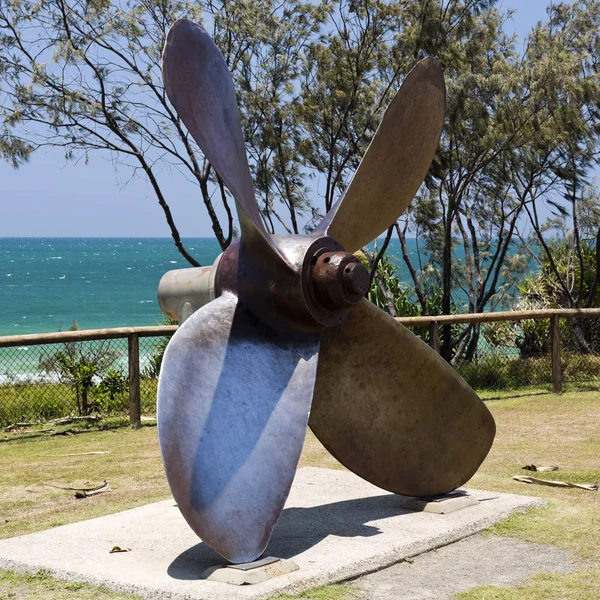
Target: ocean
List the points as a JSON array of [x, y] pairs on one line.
[[47, 283]]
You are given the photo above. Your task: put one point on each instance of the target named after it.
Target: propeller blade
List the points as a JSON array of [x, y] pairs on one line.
[[233, 404], [396, 161], [393, 411], [200, 88]]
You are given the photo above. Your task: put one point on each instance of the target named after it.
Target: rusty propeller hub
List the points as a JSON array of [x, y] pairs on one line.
[[318, 289], [339, 280], [333, 281]]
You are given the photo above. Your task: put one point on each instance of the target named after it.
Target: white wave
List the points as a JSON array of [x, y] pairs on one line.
[[23, 378], [173, 262]]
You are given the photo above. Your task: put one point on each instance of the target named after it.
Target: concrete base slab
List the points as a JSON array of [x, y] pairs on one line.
[[335, 526], [250, 573], [440, 505]]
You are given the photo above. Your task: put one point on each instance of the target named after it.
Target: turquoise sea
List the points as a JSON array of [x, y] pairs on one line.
[[47, 283]]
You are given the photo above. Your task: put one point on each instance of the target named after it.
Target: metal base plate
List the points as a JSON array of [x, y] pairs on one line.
[[441, 505], [254, 564], [250, 573]]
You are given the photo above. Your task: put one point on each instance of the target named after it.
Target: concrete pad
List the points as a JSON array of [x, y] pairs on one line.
[[335, 527]]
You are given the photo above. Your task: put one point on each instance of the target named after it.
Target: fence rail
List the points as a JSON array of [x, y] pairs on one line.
[[115, 370], [37, 339]]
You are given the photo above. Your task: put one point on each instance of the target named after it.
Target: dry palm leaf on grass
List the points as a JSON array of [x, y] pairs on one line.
[[592, 487], [83, 492]]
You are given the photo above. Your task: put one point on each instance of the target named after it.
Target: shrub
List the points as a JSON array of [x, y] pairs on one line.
[[111, 391], [80, 365]]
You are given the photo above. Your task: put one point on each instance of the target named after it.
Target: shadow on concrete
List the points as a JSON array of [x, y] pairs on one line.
[[299, 529]]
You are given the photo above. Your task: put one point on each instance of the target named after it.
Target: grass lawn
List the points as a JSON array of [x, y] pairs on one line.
[[538, 428]]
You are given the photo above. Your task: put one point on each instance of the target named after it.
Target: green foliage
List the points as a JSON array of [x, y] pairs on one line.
[[498, 372], [499, 333], [386, 288], [113, 387], [561, 273], [78, 371], [568, 277], [533, 338], [151, 370], [313, 81], [24, 402], [530, 337], [79, 365]]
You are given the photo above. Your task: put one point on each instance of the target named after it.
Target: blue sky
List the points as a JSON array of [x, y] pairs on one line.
[[50, 197]]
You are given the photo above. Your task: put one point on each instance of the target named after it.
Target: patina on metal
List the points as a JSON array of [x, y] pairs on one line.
[[181, 292], [393, 411], [233, 402], [239, 376], [200, 88], [395, 162]]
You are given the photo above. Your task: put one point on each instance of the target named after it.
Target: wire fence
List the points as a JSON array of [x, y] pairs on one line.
[[516, 354], [103, 372], [115, 371]]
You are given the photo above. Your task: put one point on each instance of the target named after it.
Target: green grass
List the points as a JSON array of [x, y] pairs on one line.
[[496, 372], [328, 592], [539, 428], [581, 585], [29, 460], [132, 465], [32, 402], [40, 585], [546, 429]]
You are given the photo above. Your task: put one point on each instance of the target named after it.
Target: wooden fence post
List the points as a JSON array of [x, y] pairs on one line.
[[434, 331], [133, 345], [557, 380]]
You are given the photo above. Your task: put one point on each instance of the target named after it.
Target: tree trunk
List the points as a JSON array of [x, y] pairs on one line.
[[84, 401], [446, 346], [473, 342]]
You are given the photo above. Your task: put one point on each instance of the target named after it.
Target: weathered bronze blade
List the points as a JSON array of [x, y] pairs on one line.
[[395, 163], [200, 88], [233, 404], [393, 411]]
